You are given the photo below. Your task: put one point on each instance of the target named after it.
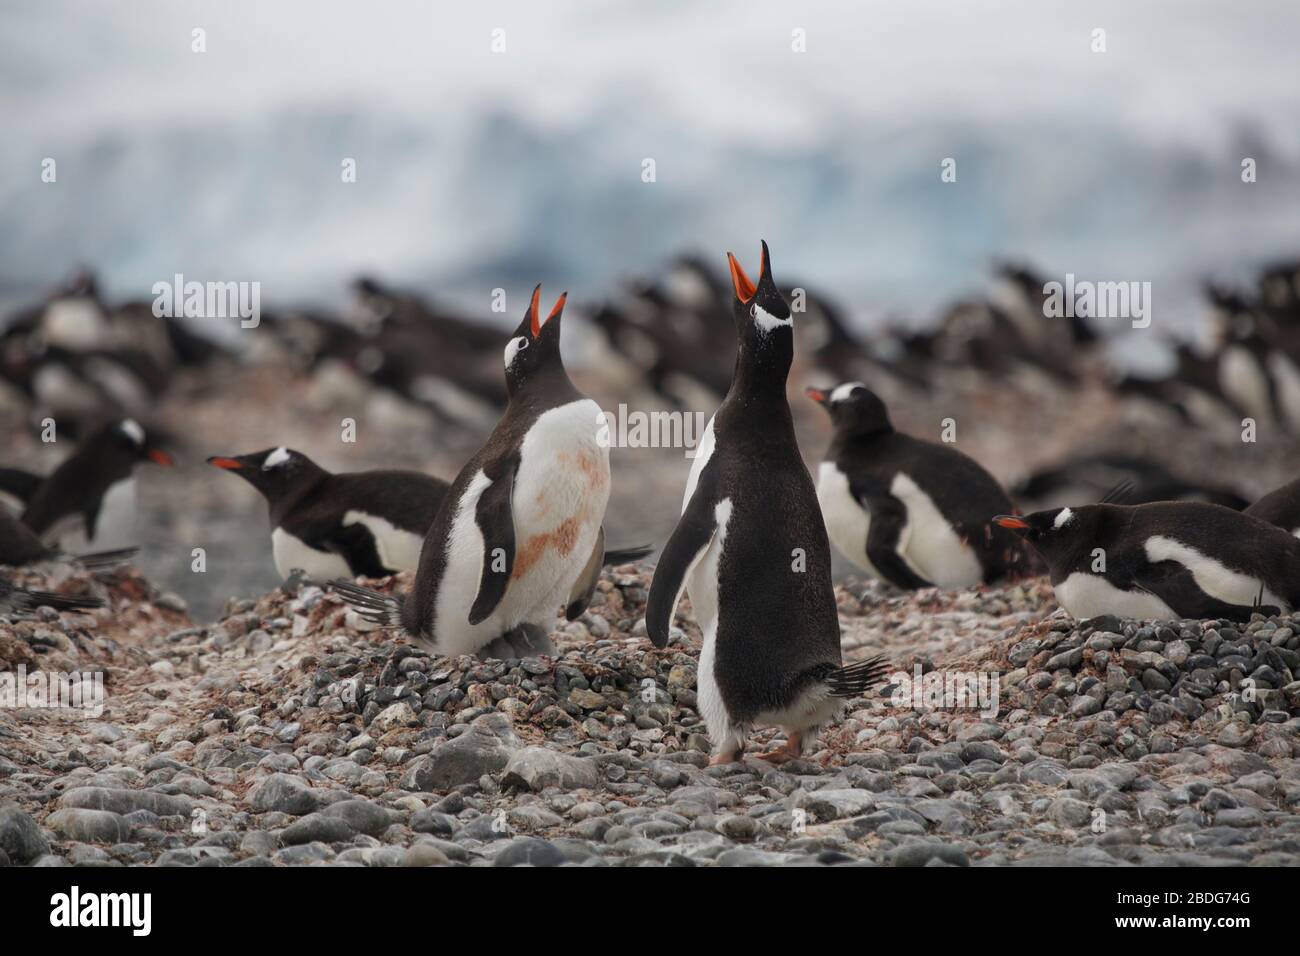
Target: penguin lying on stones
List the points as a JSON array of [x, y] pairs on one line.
[[329, 525], [1167, 560], [18, 601], [751, 550], [519, 534], [88, 503], [914, 513]]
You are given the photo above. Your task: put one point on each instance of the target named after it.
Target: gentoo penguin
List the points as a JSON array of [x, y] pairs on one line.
[[368, 523], [751, 550], [88, 502], [519, 534], [1167, 560], [915, 513], [1280, 507], [18, 601], [20, 546]]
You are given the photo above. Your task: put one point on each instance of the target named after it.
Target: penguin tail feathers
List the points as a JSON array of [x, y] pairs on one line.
[[28, 601], [103, 560], [375, 606], [856, 679], [615, 556]]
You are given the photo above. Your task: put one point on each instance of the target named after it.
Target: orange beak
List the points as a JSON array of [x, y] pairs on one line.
[[558, 307], [160, 457], [816, 394], [1011, 522], [744, 288], [534, 325], [229, 464]]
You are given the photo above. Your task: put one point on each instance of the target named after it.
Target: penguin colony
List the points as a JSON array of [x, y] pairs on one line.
[[518, 537]]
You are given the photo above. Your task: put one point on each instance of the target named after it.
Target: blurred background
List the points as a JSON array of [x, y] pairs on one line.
[[479, 170]]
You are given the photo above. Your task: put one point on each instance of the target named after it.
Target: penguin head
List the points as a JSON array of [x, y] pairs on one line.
[[272, 471], [535, 347], [854, 408], [125, 440], [763, 322], [1056, 532]]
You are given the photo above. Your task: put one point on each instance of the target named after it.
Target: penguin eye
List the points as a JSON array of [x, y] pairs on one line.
[[753, 311], [521, 343]]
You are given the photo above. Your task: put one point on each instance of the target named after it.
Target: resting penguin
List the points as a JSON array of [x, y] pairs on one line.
[[915, 513], [327, 525], [519, 533], [751, 549], [1167, 560]]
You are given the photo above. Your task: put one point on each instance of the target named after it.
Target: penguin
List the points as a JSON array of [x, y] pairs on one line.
[[329, 525], [88, 503], [20, 546], [751, 550], [1166, 560], [519, 533], [914, 513], [1280, 507], [18, 601]]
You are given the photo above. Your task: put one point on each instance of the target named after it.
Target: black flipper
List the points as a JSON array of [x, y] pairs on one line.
[[356, 545], [856, 679], [626, 555], [693, 534], [375, 606], [1176, 586], [580, 594], [496, 522], [888, 516]]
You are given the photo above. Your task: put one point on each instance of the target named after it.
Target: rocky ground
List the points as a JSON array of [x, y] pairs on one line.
[[288, 733]]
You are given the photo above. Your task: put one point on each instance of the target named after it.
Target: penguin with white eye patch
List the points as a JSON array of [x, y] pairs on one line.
[[368, 523], [88, 503], [519, 534], [751, 550], [1167, 560], [914, 513]]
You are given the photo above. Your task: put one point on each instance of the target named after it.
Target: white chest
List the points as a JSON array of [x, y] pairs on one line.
[[561, 488], [929, 542], [115, 526], [847, 522], [292, 553], [1088, 595]]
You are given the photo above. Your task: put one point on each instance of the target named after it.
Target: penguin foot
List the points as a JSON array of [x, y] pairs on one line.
[[718, 760], [792, 750]]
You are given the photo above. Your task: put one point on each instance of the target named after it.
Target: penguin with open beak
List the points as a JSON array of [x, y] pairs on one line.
[[751, 550]]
